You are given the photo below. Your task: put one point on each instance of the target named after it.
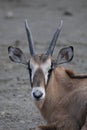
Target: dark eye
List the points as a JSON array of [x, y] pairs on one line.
[[49, 74], [30, 70], [30, 73], [50, 70]]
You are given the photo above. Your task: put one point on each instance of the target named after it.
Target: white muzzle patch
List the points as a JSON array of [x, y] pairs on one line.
[[38, 93]]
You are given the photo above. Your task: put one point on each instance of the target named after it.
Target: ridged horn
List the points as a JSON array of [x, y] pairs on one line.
[[30, 39], [54, 39]]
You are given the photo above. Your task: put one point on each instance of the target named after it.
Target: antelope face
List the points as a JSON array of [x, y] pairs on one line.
[[40, 66]]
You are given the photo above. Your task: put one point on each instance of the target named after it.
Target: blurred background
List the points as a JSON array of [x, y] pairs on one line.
[[17, 112]]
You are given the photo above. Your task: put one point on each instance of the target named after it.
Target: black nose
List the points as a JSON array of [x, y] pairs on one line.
[[37, 94]]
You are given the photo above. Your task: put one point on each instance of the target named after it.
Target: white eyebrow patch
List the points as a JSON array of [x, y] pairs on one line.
[[33, 67], [46, 67]]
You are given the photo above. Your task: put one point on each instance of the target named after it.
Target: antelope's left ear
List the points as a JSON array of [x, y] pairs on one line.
[[65, 55], [16, 55]]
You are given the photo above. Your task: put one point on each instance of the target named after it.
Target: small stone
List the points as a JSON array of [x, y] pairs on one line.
[[22, 122], [9, 15], [18, 78], [2, 113], [68, 13]]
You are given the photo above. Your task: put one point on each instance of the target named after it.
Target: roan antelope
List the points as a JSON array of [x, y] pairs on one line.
[[59, 94]]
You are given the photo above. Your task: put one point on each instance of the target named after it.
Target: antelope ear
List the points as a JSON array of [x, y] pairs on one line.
[[16, 55], [65, 55]]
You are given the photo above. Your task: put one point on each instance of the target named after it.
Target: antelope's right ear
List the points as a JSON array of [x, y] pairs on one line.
[[16, 55]]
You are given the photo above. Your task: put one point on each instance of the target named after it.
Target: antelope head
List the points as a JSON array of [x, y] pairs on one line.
[[40, 66]]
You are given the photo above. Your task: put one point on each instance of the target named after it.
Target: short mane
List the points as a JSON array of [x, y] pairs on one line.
[[75, 76]]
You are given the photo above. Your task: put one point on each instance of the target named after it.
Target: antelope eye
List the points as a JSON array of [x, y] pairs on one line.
[[30, 70], [50, 70]]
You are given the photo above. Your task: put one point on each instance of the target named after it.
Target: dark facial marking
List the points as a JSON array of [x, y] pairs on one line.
[[49, 73], [30, 72], [38, 79]]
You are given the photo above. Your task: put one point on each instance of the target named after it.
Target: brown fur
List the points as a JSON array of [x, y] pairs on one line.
[[38, 78], [65, 104]]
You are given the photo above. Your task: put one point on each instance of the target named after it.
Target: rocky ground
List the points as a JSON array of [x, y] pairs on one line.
[[17, 111]]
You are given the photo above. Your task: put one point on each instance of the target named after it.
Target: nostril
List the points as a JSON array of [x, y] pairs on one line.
[[37, 94]]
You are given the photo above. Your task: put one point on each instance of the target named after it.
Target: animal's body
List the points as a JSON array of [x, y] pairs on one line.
[[66, 101], [59, 94]]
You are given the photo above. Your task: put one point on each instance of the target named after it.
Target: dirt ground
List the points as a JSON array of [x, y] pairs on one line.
[[17, 110]]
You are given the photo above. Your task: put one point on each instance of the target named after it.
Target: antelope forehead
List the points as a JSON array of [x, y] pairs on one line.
[[46, 66]]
